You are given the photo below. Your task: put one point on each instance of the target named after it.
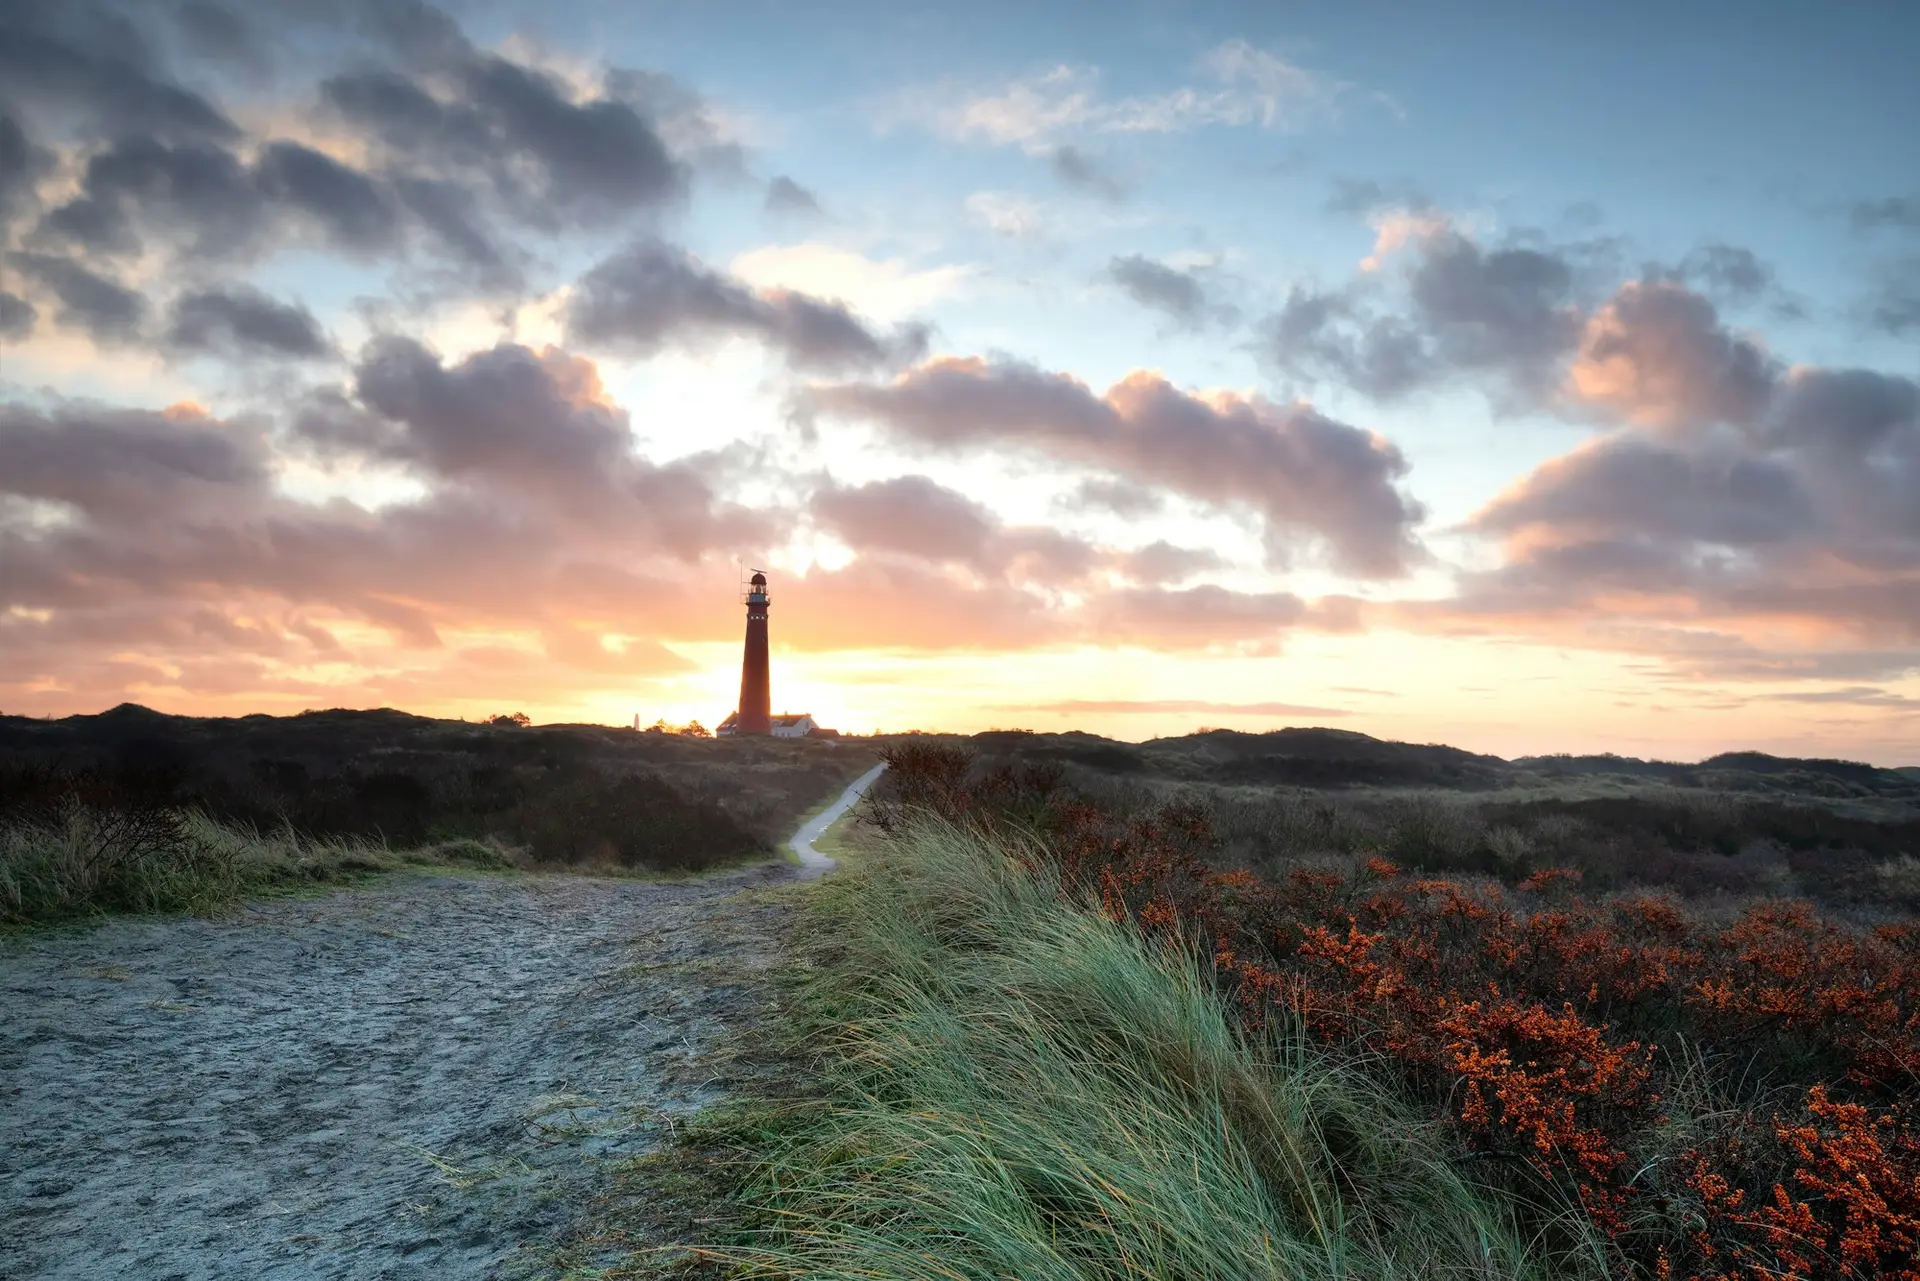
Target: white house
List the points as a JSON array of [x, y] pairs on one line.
[[785, 725], [791, 726]]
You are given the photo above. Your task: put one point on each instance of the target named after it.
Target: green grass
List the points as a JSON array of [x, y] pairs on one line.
[[1013, 1087], [84, 866]]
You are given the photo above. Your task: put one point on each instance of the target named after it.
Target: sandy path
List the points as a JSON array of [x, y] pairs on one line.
[[254, 1097], [812, 862]]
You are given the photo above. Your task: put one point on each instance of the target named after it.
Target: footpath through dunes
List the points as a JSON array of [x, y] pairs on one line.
[[423, 1077]]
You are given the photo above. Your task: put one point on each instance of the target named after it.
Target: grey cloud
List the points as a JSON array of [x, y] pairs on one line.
[[1511, 312], [508, 412], [1178, 294], [1726, 273], [22, 164], [1657, 353], [1114, 494], [1077, 169], [1890, 211], [1856, 695], [1159, 706], [446, 210], [1358, 197], [16, 316], [1209, 616], [423, 35], [108, 311], [531, 429], [1317, 336], [1162, 562], [198, 191], [119, 465], [218, 33], [1809, 512], [915, 516], [354, 212], [910, 514], [785, 196], [1508, 309], [652, 294], [245, 320], [1308, 476], [1894, 307], [1646, 489], [88, 61], [599, 156], [1849, 411], [508, 124]]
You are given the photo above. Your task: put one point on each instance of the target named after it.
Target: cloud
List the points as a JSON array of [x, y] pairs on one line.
[[1005, 214], [1077, 169], [885, 288], [1894, 306], [23, 163], [107, 310], [1330, 337], [139, 186], [549, 158], [1853, 695], [219, 34], [1178, 294], [355, 214], [1114, 494], [100, 71], [1368, 198], [1247, 87], [428, 153], [1800, 520], [910, 514], [1213, 617], [1512, 312], [1313, 480], [245, 320], [652, 294], [1167, 706], [1727, 274], [164, 536], [1901, 212], [16, 316], [916, 516], [785, 196], [1161, 562], [1657, 354], [1524, 322]]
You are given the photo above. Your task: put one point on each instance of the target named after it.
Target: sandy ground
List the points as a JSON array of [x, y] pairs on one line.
[[421, 1077]]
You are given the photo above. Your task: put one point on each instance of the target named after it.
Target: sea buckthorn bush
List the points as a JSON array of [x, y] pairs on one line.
[[1719, 1091]]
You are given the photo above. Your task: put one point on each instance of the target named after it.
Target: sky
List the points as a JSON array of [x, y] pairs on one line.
[[1510, 375]]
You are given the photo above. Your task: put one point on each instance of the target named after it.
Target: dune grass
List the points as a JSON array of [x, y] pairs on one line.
[[84, 863], [1014, 1087]]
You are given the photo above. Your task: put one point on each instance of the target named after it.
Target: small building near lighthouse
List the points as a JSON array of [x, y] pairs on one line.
[[785, 725]]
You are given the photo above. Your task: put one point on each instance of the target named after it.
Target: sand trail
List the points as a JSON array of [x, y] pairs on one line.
[[421, 1077]]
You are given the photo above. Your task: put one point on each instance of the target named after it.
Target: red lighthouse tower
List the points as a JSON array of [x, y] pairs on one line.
[[756, 692]]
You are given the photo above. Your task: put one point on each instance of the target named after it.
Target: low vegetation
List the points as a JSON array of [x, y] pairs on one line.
[[1720, 1086], [135, 811], [1014, 1085], [80, 862]]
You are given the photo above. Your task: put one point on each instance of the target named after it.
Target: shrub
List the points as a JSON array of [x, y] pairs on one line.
[[1722, 1096], [1019, 1087]]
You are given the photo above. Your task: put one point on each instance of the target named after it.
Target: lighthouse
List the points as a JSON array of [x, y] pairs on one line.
[[756, 694]]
